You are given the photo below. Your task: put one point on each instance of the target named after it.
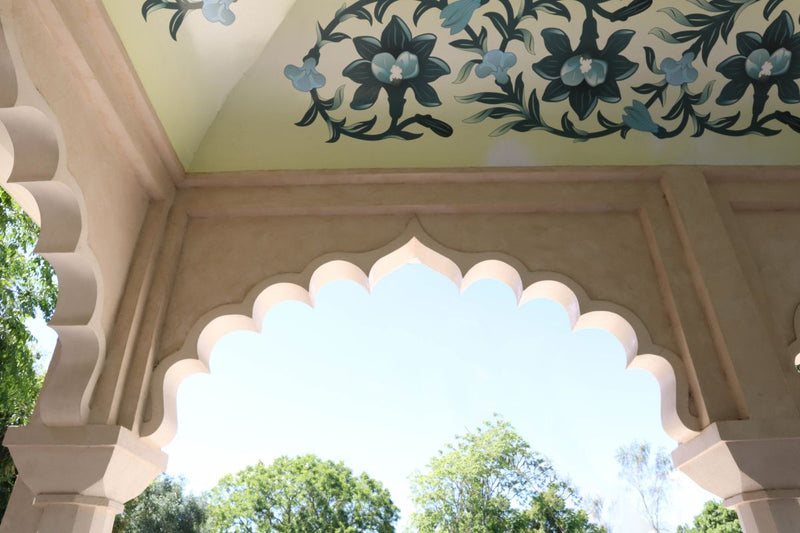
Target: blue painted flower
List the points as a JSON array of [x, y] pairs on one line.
[[219, 11], [306, 77], [763, 61], [458, 14], [679, 72], [584, 74], [637, 116], [394, 64], [497, 63], [388, 69]]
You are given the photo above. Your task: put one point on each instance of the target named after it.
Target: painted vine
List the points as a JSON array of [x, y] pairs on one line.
[[400, 63]]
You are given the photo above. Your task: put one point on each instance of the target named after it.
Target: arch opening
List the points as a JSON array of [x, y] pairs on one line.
[[298, 357], [677, 415]]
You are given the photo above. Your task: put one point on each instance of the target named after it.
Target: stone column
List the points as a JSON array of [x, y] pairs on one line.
[[754, 465], [78, 477]]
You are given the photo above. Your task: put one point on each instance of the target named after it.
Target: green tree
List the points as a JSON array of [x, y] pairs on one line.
[[163, 507], [299, 495], [714, 518], [648, 472], [491, 481], [27, 287]]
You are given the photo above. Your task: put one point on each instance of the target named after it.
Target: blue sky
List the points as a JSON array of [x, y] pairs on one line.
[[382, 381]]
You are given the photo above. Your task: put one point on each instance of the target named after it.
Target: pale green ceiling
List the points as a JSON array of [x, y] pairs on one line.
[[226, 103]]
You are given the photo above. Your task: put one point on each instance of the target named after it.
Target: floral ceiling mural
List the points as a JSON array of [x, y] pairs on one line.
[[574, 69]]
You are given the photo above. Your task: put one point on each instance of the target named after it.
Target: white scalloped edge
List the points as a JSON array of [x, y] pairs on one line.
[[193, 357], [34, 173]]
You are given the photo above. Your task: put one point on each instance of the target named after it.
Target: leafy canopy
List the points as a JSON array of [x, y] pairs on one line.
[[27, 287], [714, 518], [491, 481], [299, 495], [163, 507]]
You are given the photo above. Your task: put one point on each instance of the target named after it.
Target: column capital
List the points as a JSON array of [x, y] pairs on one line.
[[101, 466], [746, 460]]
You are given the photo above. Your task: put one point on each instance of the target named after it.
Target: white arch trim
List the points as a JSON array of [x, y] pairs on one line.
[[195, 354], [34, 172]]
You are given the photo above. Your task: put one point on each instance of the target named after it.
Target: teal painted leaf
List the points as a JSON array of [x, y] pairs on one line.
[[664, 35], [770, 7], [380, 8], [499, 23], [466, 70], [704, 4], [309, 117], [480, 116], [175, 23], [676, 15], [152, 5], [527, 39], [505, 128], [338, 98]]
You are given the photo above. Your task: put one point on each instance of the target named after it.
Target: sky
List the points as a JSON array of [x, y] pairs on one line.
[[383, 381]]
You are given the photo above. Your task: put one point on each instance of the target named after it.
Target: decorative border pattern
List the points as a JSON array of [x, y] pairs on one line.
[[582, 73]]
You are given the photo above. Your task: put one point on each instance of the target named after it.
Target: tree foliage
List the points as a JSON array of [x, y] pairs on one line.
[[163, 507], [27, 287], [299, 495], [491, 481], [714, 518], [648, 472]]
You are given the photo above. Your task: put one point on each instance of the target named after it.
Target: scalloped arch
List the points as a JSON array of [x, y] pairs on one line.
[[35, 174], [416, 247]]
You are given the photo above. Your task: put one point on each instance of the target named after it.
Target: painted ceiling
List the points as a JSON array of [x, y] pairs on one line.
[[308, 84]]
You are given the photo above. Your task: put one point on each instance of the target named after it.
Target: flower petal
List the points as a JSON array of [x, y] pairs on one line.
[[617, 42], [365, 96], [732, 92], [409, 65], [422, 46], [548, 68], [367, 47], [779, 32], [432, 69], [733, 68], [381, 67], [425, 94], [621, 68], [571, 73], [755, 61], [780, 59], [557, 42], [556, 91], [360, 71], [582, 100], [485, 69], [608, 91], [788, 91], [396, 37], [748, 41], [597, 73]]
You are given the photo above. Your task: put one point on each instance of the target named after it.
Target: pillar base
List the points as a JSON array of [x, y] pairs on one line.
[[753, 466], [79, 477]]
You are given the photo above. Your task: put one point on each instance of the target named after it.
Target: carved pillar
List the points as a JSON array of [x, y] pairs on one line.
[[78, 478], [753, 466]]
